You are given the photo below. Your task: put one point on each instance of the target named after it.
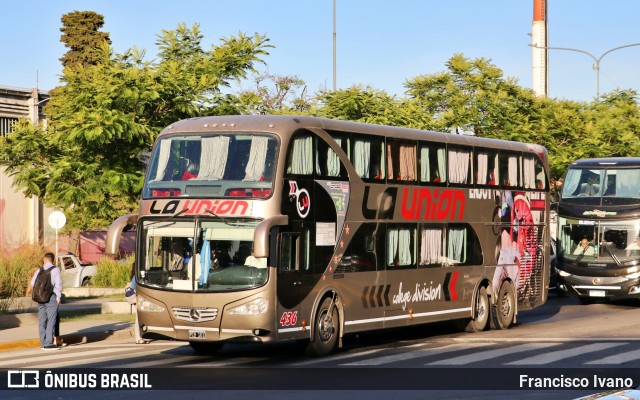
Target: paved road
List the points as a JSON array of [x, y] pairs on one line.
[[560, 338]]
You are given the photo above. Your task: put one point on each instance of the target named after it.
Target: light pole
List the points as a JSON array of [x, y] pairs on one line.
[[596, 60]]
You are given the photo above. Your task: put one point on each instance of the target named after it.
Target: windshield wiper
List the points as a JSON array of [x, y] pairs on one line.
[[607, 247], [223, 219]]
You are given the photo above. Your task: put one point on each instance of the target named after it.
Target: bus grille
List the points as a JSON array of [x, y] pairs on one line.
[[195, 314]]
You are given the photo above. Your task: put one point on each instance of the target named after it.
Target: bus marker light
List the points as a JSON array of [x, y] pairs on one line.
[[410, 314], [304, 325], [634, 290]]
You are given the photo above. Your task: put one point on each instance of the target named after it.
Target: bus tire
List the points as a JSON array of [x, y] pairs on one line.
[[505, 307], [326, 330], [481, 312], [86, 282], [206, 347]]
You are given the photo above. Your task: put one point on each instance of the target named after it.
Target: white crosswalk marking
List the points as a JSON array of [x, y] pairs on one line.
[[553, 356], [617, 358], [335, 358], [493, 353], [415, 354]]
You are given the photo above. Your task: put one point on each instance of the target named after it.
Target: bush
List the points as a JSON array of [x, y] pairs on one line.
[[112, 273], [16, 269]]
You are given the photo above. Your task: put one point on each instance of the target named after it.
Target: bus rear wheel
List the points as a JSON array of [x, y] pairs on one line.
[[326, 330], [505, 307], [481, 312], [206, 347]]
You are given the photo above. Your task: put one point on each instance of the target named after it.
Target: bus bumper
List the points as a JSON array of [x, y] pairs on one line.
[[596, 287]]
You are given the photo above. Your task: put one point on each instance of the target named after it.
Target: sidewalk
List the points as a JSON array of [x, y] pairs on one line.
[[22, 329]]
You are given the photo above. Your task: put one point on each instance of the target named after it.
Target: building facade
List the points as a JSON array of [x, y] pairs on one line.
[[22, 219]]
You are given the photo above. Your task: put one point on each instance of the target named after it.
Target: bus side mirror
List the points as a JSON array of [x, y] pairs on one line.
[[261, 235]]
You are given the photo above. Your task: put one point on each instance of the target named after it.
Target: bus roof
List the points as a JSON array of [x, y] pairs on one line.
[[271, 123], [606, 162]]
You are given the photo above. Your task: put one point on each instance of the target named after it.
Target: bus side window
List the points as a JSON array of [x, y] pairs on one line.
[[401, 160], [400, 247], [509, 170], [295, 252], [463, 246], [433, 167], [368, 157], [459, 165], [486, 167], [431, 246], [360, 254], [300, 157]]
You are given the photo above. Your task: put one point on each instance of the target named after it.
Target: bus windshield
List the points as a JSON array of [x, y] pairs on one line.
[[606, 241], [602, 182], [223, 165], [223, 259]]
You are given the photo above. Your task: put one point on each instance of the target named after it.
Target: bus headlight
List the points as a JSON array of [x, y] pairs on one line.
[[148, 305], [254, 307], [563, 273], [633, 276]]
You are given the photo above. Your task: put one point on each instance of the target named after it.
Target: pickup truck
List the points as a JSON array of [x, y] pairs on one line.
[[75, 273]]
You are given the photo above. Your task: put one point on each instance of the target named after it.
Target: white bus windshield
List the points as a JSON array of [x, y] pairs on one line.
[[226, 165], [223, 259]]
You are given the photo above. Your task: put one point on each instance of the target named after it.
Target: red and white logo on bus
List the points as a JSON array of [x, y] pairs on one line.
[[301, 197]]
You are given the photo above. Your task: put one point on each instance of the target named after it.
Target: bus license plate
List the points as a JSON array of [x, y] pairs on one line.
[[197, 334], [596, 293]]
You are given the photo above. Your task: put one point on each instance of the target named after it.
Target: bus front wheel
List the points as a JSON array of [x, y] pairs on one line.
[[205, 347], [481, 315], [505, 307], [326, 330]]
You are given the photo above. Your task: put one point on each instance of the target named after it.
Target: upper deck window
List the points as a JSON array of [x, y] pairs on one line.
[[459, 165], [212, 166], [486, 167], [433, 167], [367, 157]]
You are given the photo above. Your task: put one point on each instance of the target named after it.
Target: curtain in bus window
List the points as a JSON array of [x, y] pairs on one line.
[[627, 183], [483, 166], [333, 162], [163, 159], [431, 246], [404, 247], [205, 260], [361, 158], [442, 170], [571, 182], [301, 162], [513, 170], [425, 168], [392, 246], [389, 163], [495, 175], [214, 158], [257, 159], [408, 163], [529, 172], [456, 245], [458, 166]]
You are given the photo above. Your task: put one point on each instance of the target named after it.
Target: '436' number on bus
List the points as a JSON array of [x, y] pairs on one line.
[[289, 318]]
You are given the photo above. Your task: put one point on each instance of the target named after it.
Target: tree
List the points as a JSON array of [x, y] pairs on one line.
[[104, 115], [82, 36], [276, 94], [365, 104]]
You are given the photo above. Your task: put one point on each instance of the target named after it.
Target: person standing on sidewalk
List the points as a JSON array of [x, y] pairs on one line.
[[48, 311]]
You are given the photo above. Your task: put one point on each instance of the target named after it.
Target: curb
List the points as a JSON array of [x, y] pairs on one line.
[[72, 339]]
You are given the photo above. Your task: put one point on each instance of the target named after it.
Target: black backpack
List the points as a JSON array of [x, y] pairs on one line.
[[43, 288]]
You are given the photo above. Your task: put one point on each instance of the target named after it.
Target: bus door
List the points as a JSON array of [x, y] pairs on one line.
[[296, 278]]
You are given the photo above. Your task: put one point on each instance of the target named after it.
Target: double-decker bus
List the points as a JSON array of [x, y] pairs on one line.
[[599, 229], [269, 228]]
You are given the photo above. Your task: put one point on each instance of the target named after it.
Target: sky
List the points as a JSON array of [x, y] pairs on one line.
[[379, 43]]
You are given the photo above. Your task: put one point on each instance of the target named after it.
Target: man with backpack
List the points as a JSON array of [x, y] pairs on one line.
[[47, 292]]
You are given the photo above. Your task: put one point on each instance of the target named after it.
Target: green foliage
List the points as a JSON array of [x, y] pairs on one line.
[[112, 273], [82, 36], [16, 270], [105, 114]]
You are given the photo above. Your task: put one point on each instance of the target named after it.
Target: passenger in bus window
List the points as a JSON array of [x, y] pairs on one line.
[[635, 245], [191, 171], [584, 248], [591, 188]]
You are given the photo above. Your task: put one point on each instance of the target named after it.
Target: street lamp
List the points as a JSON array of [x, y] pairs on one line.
[[596, 60]]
